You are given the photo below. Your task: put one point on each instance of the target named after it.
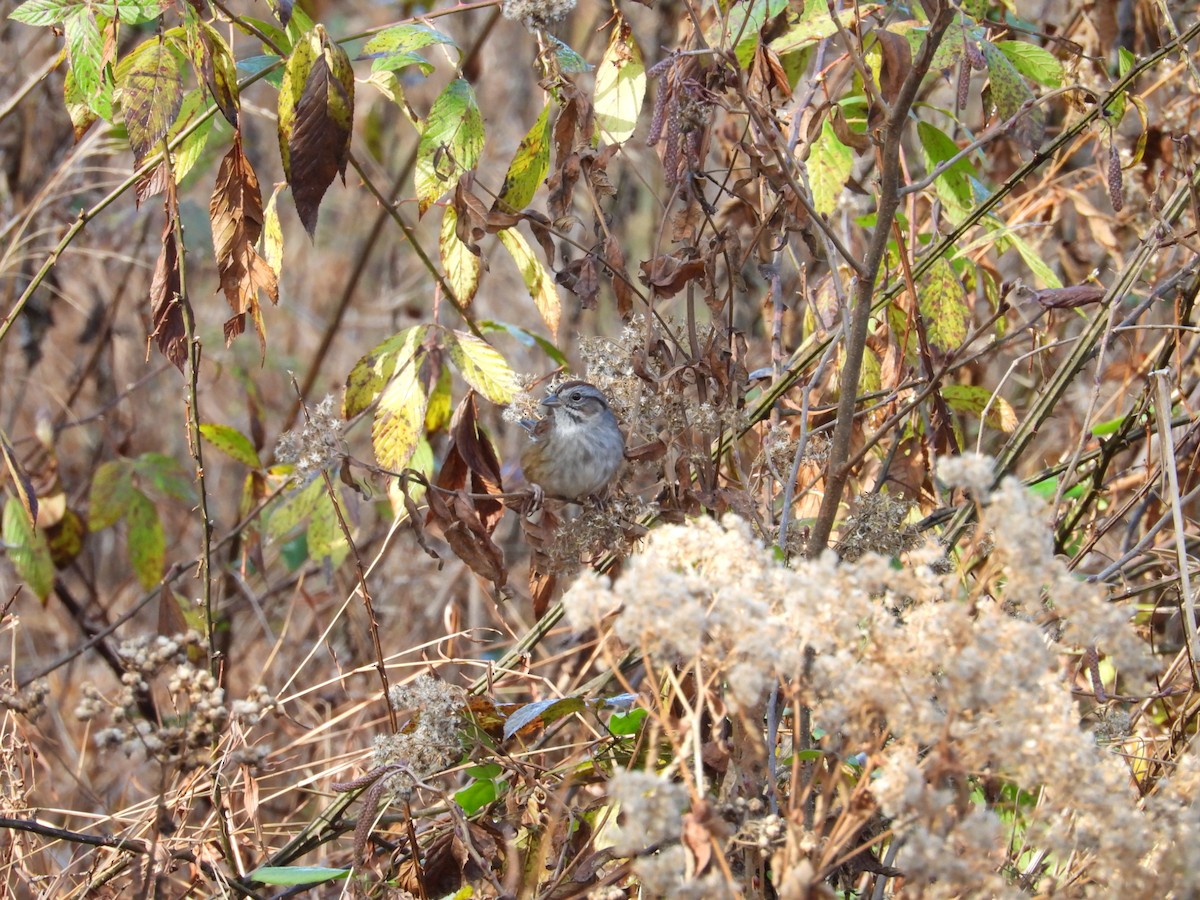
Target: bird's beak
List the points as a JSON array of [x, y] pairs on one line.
[[551, 401]]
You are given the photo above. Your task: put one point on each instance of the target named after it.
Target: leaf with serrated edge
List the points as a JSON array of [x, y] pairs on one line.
[[26, 548], [450, 143], [85, 50], [529, 166], [371, 373], [147, 543], [1009, 94], [236, 215], [973, 399], [232, 443], [482, 366], [538, 281], [953, 186], [461, 265], [317, 130], [109, 499], [294, 508], [326, 542], [399, 419], [1034, 62], [620, 86], [829, 166], [943, 306], [151, 83], [295, 77]]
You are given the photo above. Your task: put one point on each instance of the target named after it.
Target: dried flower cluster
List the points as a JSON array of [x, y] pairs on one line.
[[197, 703], [29, 701], [961, 688], [316, 443], [430, 742], [537, 14]]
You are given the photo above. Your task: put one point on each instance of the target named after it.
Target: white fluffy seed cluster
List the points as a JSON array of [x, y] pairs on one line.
[[537, 14]]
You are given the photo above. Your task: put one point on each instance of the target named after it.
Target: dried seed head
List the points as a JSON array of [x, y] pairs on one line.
[[1115, 182], [534, 14]]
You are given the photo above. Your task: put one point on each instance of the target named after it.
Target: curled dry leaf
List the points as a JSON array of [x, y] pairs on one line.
[[670, 272]]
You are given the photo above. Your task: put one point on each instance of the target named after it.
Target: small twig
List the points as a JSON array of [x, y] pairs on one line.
[[1166, 447]]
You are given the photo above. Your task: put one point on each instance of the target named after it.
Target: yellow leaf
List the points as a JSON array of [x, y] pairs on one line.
[[482, 366], [400, 418], [620, 86], [538, 281]]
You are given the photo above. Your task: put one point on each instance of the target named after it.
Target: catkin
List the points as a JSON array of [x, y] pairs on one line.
[[1114, 177]]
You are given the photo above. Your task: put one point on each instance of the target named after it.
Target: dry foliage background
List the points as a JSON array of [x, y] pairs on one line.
[[274, 623]]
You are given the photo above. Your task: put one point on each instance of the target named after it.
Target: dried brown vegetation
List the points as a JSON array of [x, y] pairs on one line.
[[895, 303]]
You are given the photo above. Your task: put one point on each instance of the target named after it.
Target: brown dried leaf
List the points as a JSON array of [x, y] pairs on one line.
[[670, 272], [236, 213], [166, 303], [581, 278], [897, 61], [614, 258]]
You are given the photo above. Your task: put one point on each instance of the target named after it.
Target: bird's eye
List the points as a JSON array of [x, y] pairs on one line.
[[577, 397]]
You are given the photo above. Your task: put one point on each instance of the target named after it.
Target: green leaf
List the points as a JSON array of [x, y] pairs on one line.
[[1009, 94], [85, 50], [369, 375], [294, 508], [165, 475], [622, 724], [620, 86], [111, 494], [943, 307], [953, 187], [815, 24], [476, 796], [569, 61], [47, 12], [529, 166], [538, 281], [973, 399], [744, 23], [829, 167], [1034, 62], [147, 543], [527, 338], [482, 366], [232, 443], [460, 264], [450, 142], [326, 542], [187, 154], [393, 47], [26, 548], [26, 493], [290, 876], [486, 771], [1044, 274], [400, 418], [44, 12], [151, 82]]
